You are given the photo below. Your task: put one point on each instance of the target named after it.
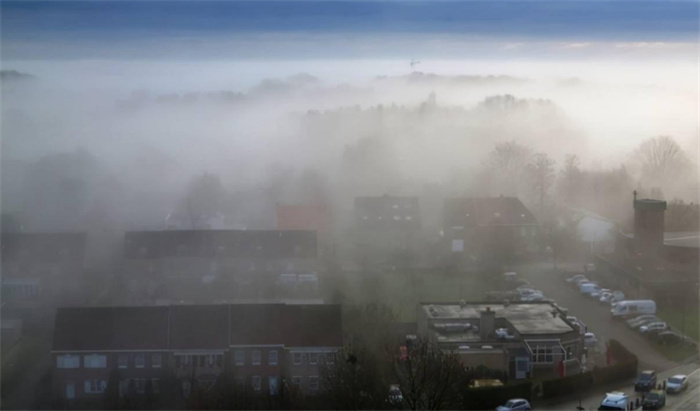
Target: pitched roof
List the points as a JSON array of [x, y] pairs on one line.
[[289, 325], [199, 327], [387, 211], [43, 247], [111, 328], [186, 327], [227, 243], [486, 211]]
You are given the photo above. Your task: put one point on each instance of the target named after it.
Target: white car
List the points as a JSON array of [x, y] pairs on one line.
[[536, 296], [589, 339], [580, 281], [677, 383], [574, 278], [605, 297], [653, 327], [597, 294], [640, 320], [516, 404]]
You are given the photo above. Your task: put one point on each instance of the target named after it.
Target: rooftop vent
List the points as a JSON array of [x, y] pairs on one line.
[[462, 303]]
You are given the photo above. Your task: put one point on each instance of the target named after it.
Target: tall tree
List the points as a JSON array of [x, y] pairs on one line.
[[661, 159], [504, 168], [571, 179], [541, 174]]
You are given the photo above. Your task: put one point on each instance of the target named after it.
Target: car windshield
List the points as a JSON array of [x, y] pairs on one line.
[[653, 396], [511, 404], [645, 377], [675, 380]]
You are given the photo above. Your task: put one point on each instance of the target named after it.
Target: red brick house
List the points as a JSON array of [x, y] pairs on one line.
[[264, 347]]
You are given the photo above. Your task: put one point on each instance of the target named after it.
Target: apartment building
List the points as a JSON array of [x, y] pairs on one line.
[[265, 347], [241, 262]]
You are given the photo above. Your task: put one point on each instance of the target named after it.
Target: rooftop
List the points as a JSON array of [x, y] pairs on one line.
[[527, 318]]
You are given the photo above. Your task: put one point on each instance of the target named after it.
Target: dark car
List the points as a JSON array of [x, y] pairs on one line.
[[669, 338], [646, 381], [654, 400]]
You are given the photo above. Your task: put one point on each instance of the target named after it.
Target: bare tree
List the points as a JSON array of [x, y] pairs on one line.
[[429, 378], [571, 179], [505, 165], [661, 158], [541, 173]]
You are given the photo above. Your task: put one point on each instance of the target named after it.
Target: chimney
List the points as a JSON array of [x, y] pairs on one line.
[[488, 323], [648, 227]]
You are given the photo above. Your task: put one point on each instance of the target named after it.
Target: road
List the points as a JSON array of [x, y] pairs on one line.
[[595, 315]]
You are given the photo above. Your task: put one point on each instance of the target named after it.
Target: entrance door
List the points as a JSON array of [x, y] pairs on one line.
[[70, 390], [522, 367]]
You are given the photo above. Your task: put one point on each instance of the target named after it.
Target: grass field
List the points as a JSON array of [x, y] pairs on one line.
[[675, 318]]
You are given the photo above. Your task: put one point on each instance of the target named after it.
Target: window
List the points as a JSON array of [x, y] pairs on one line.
[[297, 358], [313, 382], [296, 381], [201, 360], [140, 360], [219, 360], [156, 360], [186, 388], [256, 358], [95, 361], [272, 357], [70, 390], [240, 357], [154, 384], [68, 361], [95, 386], [255, 381], [272, 384], [140, 385], [210, 361], [123, 387], [123, 361], [313, 358], [330, 358], [542, 354]]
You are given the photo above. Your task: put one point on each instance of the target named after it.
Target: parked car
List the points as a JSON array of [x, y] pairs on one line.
[[670, 338], [646, 381], [654, 400], [580, 281], [617, 296], [639, 324], [639, 320], [677, 383], [653, 328], [590, 339], [395, 394], [516, 404], [536, 296], [605, 297], [588, 288], [574, 278], [597, 294], [617, 401]]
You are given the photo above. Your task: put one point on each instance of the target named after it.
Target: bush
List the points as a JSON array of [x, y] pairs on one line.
[[567, 385]]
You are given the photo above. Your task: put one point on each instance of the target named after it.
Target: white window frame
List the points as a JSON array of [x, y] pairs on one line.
[[256, 357], [140, 360], [94, 386], [330, 358], [256, 382], [125, 363], [543, 354], [239, 355], [158, 363], [68, 361], [313, 358], [300, 357], [313, 382], [272, 357], [90, 359]]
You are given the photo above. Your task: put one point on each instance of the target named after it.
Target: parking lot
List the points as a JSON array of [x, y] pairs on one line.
[[595, 315]]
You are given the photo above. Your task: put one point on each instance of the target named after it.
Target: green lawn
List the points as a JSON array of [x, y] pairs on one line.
[[675, 317]]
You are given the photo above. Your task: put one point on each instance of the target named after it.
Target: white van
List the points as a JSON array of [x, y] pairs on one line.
[[633, 308]]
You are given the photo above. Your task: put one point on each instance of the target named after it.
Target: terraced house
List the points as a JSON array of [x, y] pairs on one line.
[[265, 347]]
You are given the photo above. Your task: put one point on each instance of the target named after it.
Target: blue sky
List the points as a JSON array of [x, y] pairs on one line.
[[124, 29]]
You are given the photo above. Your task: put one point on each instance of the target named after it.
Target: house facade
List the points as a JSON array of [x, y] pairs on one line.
[[263, 346], [488, 229], [388, 231]]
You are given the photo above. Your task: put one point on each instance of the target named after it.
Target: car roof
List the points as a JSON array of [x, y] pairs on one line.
[[648, 372], [680, 376]]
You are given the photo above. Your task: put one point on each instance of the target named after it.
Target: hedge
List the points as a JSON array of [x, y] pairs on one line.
[[488, 398], [562, 386]]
